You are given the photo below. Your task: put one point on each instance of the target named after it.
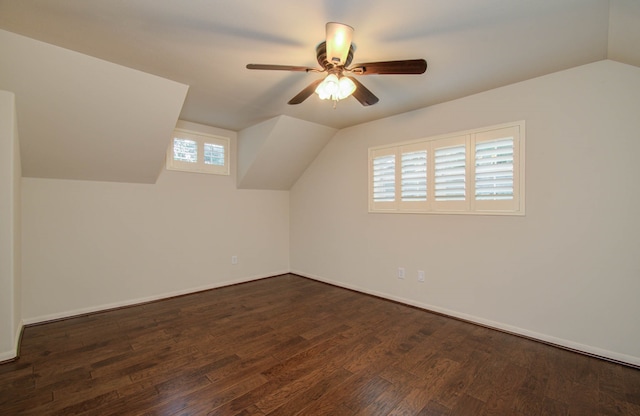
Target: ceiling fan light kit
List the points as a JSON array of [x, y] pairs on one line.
[[335, 89], [334, 56]]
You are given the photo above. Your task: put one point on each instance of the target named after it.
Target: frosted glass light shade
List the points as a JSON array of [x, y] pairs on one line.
[[338, 42], [334, 88], [328, 87], [346, 88]]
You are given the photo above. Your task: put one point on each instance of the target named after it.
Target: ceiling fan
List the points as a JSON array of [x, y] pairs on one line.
[[334, 56]]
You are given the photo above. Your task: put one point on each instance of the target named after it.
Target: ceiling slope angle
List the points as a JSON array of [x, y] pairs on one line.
[[84, 118], [624, 31], [471, 46], [274, 154]]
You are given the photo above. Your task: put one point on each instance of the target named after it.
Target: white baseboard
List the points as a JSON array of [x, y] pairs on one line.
[[137, 301], [587, 349]]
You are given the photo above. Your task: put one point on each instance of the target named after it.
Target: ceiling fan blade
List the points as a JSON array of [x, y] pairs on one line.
[[282, 67], [305, 93], [409, 66], [363, 94]]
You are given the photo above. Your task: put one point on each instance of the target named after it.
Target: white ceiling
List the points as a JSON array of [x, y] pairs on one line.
[[470, 46], [103, 107]]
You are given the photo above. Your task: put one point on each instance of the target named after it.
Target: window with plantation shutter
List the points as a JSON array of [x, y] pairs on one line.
[[383, 179], [185, 150], [474, 172], [450, 173], [494, 170], [214, 154], [497, 170], [414, 176], [198, 152]]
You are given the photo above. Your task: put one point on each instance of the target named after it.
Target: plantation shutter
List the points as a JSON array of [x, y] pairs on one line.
[[185, 150], [496, 179], [198, 152], [479, 171], [213, 154], [413, 177], [382, 165], [494, 170], [450, 173]]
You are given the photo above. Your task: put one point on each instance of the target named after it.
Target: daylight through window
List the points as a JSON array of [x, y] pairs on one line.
[[474, 172], [197, 152]]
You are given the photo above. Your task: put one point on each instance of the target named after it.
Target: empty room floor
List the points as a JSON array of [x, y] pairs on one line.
[[288, 345]]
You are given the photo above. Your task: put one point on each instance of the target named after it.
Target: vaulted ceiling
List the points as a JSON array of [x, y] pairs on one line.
[[470, 46]]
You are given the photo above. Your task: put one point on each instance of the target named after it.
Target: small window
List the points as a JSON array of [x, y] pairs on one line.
[[198, 152], [477, 172]]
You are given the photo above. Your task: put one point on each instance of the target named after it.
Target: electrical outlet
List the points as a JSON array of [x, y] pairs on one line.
[[400, 272], [420, 275], [234, 259]]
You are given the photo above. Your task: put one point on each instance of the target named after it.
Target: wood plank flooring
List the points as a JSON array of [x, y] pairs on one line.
[[292, 346]]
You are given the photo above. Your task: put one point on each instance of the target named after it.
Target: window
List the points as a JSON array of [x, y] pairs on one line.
[[383, 178], [198, 152], [474, 172], [414, 176]]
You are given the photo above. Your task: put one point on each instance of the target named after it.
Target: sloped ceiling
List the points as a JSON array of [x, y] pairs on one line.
[[274, 153], [83, 118], [470, 45], [624, 32]]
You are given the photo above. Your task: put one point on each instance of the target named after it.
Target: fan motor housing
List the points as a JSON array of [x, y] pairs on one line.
[[321, 55]]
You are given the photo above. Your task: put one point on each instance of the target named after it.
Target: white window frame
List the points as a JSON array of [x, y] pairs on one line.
[[200, 166], [468, 139]]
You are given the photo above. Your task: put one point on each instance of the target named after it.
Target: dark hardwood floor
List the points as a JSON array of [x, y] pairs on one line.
[[287, 346]]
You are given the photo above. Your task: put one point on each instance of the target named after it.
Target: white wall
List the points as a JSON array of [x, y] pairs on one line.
[[273, 154], [10, 176], [93, 245], [568, 272]]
